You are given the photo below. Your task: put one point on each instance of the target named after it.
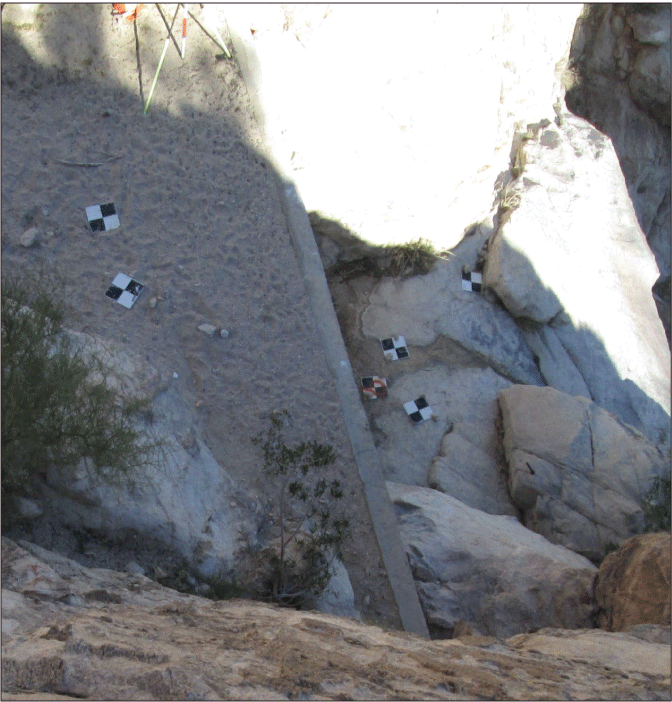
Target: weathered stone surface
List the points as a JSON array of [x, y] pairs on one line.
[[464, 471], [555, 364], [649, 81], [129, 638], [633, 584], [489, 571], [574, 199], [577, 473], [651, 27], [628, 653], [424, 307], [338, 598], [462, 398]]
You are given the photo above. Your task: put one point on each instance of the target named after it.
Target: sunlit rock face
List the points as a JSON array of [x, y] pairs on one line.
[[621, 53], [571, 254], [71, 632]]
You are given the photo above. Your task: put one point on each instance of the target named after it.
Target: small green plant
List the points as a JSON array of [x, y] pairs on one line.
[[657, 505], [57, 408], [309, 536], [509, 199]]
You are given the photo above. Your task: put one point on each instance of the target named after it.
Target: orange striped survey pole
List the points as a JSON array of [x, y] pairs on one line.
[[184, 30]]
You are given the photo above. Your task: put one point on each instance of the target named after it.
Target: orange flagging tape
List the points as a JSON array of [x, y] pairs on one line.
[[119, 9]]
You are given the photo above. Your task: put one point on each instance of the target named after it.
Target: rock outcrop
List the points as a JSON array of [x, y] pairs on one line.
[[621, 58], [578, 474], [70, 632], [488, 571], [572, 255], [183, 500], [633, 584], [466, 472]]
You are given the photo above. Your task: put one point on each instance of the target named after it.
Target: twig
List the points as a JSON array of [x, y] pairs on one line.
[[86, 164], [137, 56], [168, 27]]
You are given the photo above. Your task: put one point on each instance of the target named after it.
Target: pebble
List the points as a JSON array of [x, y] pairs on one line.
[[29, 237], [153, 302], [176, 376], [207, 329], [224, 334], [133, 567]]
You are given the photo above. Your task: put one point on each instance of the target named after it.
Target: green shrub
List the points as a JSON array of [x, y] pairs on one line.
[[657, 505], [301, 565], [57, 407]]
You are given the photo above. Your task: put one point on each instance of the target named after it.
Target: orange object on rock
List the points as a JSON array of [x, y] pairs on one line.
[[129, 12]]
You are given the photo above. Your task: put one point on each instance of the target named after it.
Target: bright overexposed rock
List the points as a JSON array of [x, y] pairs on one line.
[[427, 146]]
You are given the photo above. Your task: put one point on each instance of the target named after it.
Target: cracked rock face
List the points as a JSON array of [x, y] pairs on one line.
[[578, 474], [121, 636]]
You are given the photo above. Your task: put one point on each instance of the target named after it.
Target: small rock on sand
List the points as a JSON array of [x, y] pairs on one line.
[[29, 237], [207, 329]]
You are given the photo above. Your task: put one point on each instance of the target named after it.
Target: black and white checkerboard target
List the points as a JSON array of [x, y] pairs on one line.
[[124, 290], [102, 218], [472, 281], [374, 387], [394, 348], [418, 410]]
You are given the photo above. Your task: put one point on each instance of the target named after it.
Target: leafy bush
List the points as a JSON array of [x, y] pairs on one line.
[[57, 407], [300, 566]]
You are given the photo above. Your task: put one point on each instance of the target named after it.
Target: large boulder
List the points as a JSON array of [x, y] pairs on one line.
[[573, 255], [633, 584], [488, 571], [579, 475]]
